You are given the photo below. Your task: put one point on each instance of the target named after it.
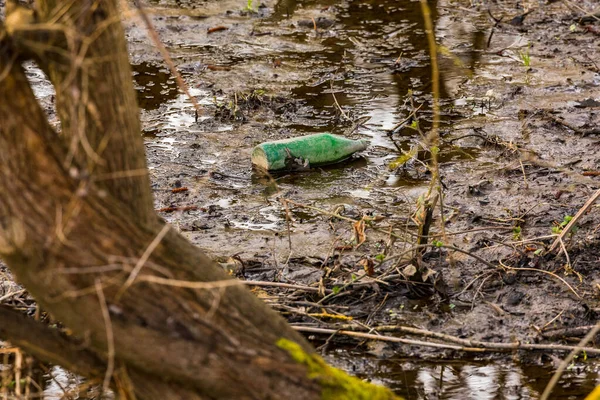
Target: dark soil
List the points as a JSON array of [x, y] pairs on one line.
[[520, 114]]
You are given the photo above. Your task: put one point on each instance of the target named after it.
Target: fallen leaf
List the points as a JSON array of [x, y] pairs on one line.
[[359, 232], [368, 266], [216, 29], [409, 270]]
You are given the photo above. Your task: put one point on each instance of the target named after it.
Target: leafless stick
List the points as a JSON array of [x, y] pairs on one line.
[[587, 13], [223, 284], [477, 347], [363, 335], [140, 264], [340, 290], [288, 221], [574, 220], [215, 304], [346, 117], [564, 249], [18, 367], [565, 363], [560, 121], [110, 340], [575, 331], [472, 282], [524, 174], [405, 120], [165, 54], [552, 320], [545, 272]]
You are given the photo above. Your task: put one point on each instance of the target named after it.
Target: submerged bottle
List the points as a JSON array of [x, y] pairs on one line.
[[305, 151]]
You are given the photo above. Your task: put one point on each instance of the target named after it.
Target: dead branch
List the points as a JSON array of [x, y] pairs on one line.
[[48, 344], [467, 346]]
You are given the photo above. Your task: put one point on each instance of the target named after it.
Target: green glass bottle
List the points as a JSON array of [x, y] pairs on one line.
[[305, 151]]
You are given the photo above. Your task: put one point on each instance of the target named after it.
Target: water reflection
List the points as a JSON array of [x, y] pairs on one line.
[[449, 380], [374, 53], [461, 380], [154, 85]]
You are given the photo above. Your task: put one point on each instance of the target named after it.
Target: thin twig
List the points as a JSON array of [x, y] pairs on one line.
[[165, 54], [363, 335], [11, 294], [342, 112], [404, 121], [110, 340], [587, 13], [288, 222], [140, 264], [471, 346], [563, 365], [575, 219], [433, 138], [560, 121], [223, 284], [545, 272]]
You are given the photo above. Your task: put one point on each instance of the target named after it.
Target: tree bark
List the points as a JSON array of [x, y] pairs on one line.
[[78, 229]]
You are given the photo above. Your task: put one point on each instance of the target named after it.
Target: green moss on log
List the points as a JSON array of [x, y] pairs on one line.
[[335, 384]]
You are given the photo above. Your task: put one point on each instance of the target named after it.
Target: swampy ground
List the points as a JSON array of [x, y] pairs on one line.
[[520, 111]]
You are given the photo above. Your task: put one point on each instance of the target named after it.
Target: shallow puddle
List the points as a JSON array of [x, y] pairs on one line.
[[154, 85], [415, 379], [366, 56], [473, 380]]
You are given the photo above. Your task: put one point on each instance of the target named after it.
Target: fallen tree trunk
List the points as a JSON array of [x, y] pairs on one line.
[[78, 230]]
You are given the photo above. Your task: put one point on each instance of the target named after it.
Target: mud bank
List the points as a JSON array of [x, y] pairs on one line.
[[520, 98]]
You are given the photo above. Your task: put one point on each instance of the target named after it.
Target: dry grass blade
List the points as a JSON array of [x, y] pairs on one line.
[[110, 340], [574, 220], [547, 273], [18, 365]]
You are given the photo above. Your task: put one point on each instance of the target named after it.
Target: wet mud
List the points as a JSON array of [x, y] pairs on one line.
[[506, 165], [520, 104]]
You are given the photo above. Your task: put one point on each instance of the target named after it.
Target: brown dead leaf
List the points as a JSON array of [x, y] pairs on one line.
[[359, 232], [368, 266], [409, 270], [427, 273]]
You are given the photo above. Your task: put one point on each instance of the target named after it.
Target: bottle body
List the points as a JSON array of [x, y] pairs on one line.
[[307, 151]]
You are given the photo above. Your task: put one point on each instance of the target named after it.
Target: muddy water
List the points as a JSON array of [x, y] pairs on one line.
[[449, 380], [370, 55], [474, 381]]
